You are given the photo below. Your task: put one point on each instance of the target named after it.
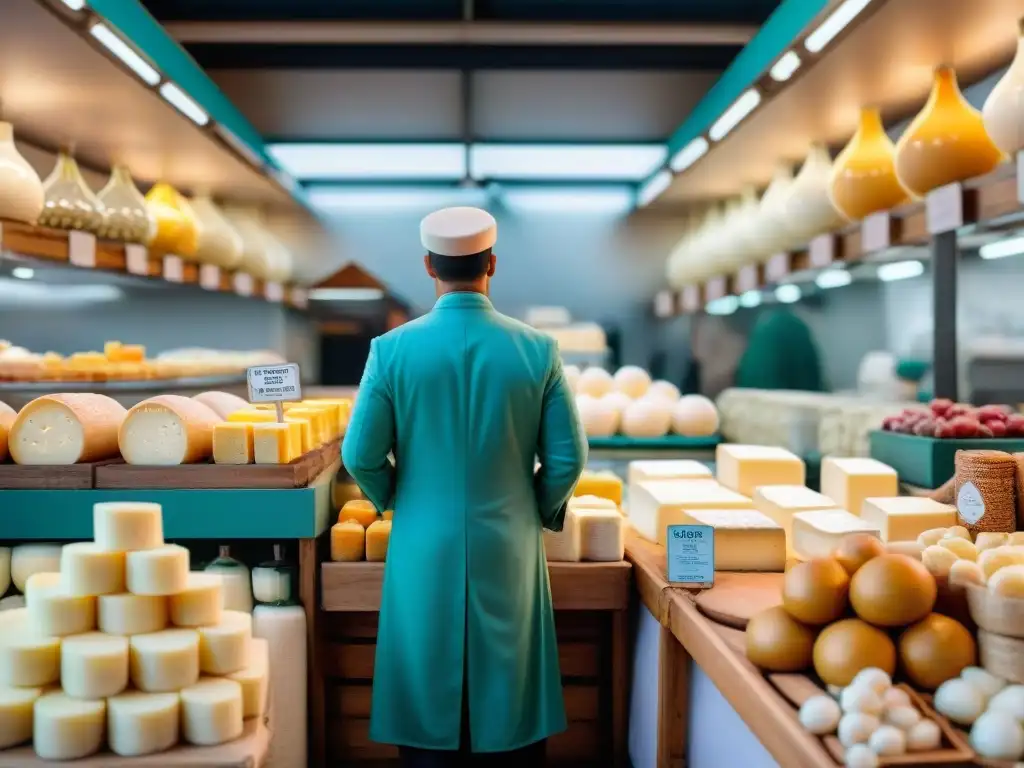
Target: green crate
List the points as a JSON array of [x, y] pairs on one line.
[[928, 462], [644, 444]]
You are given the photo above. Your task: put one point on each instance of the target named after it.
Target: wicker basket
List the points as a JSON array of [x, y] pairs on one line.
[[1002, 656], [996, 614]]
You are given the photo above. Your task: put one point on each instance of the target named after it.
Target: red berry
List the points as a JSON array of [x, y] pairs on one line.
[[998, 428]]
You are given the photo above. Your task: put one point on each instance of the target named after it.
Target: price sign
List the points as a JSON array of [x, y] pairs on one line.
[[242, 283], [777, 268], [300, 298], [944, 209], [691, 554], [209, 277], [274, 384], [82, 249], [174, 269], [136, 259], [664, 304], [273, 292], [822, 251], [747, 279], [690, 299], [876, 232]]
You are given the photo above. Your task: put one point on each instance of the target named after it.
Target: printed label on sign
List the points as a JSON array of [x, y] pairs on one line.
[[273, 292], [664, 305], [136, 259], [970, 503], [274, 383], [822, 251], [174, 269], [876, 232], [691, 554], [209, 277], [777, 267], [82, 249], [944, 209], [243, 284]]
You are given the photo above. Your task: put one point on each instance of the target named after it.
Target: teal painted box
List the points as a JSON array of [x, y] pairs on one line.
[[928, 462], [667, 443]]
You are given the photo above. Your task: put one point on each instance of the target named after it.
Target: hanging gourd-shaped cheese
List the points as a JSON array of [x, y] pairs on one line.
[[246, 221], [809, 212], [864, 174], [946, 142], [279, 259], [1004, 108], [731, 250], [69, 203], [218, 243], [21, 191], [745, 227], [771, 214], [127, 218], [174, 225], [706, 246]]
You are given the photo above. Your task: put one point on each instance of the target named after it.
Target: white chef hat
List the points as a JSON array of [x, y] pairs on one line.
[[460, 231]]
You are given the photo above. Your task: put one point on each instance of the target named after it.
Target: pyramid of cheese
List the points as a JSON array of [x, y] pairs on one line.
[[124, 648]]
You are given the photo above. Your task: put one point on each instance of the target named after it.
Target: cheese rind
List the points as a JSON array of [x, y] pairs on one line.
[[54, 613], [16, 715], [224, 647], [348, 542], [221, 403], [64, 429], [64, 728], [142, 723], [254, 679], [745, 539], [6, 422], [127, 614], [211, 712], [564, 546], [87, 569], [818, 533], [781, 502], [232, 443], [94, 665], [904, 518], [158, 571], [377, 536], [603, 484], [126, 526], [661, 503], [167, 430], [849, 482], [360, 510], [744, 468], [200, 602], [164, 662], [601, 534]]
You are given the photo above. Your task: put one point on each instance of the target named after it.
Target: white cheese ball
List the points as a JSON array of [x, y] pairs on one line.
[[599, 419], [619, 401], [924, 736], [857, 698], [987, 684], [888, 741], [860, 756], [572, 375], [647, 417], [663, 389], [1009, 700], [874, 678], [856, 728], [903, 717], [835, 691], [694, 416], [820, 715], [631, 380], [895, 697], [998, 736], [960, 701], [594, 382]]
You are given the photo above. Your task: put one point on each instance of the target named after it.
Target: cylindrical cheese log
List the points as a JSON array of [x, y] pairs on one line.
[[224, 647], [16, 715], [200, 603], [127, 526], [27, 559], [52, 612], [26, 660], [211, 712], [254, 679], [164, 662], [128, 614], [221, 403], [159, 571], [86, 569], [142, 723], [66, 429], [67, 729], [93, 665], [167, 430]]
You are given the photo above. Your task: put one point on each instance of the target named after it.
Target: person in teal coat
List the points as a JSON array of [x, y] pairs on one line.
[[465, 400]]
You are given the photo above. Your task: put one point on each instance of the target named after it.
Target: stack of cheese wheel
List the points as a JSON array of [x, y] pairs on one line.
[[125, 647]]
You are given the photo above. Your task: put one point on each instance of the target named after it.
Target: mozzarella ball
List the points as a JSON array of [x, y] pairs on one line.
[[594, 382], [888, 741], [924, 736], [860, 756], [835, 691], [874, 678], [1009, 700], [694, 416], [895, 697], [619, 401], [903, 717], [856, 728], [856, 698], [572, 375], [600, 419], [960, 701], [998, 736], [663, 389], [987, 684], [647, 417], [820, 715], [632, 380]]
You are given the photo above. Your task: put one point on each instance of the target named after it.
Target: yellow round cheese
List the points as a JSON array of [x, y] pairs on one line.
[[64, 728], [200, 603], [163, 662], [87, 569], [142, 723], [94, 665], [158, 571], [211, 712], [224, 647]]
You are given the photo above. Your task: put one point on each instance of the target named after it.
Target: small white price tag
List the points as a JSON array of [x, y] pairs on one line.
[[300, 298], [209, 277], [690, 299], [136, 259], [273, 292], [274, 383], [243, 283], [715, 288], [174, 269], [970, 503], [664, 304], [944, 209], [876, 232], [746, 279], [822, 251], [82, 249], [777, 267]]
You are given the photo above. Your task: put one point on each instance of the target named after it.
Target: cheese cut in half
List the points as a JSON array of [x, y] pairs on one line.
[[224, 647], [254, 679], [93, 665], [564, 546], [221, 403], [744, 468], [661, 503], [164, 662], [158, 571], [819, 533], [127, 526], [781, 502], [127, 614], [6, 422], [849, 482], [232, 443], [603, 484], [52, 612], [64, 728], [211, 712], [200, 603], [904, 518], [745, 539], [87, 569], [654, 469], [167, 430], [66, 429], [602, 538], [16, 715], [142, 723]]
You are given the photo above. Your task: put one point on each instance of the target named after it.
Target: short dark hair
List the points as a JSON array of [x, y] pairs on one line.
[[460, 269]]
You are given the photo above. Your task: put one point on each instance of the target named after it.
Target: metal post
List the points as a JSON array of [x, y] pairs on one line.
[[944, 308]]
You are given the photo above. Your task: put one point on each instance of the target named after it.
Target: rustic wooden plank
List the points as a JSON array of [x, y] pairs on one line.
[[651, 574], [308, 570], [619, 641], [75, 477], [673, 701]]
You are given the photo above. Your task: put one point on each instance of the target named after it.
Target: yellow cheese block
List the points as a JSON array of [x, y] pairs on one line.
[[321, 421], [232, 443], [334, 415], [744, 468], [254, 415], [273, 443], [377, 536], [306, 431], [388, 514], [348, 542], [849, 482], [603, 484], [904, 518], [295, 435], [781, 502], [360, 510]]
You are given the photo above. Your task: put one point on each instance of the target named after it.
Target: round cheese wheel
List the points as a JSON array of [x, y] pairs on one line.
[[26, 659], [631, 380], [224, 647], [200, 603], [167, 430], [846, 647], [64, 728], [936, 649], [777, 642], [594, 382], [893, 591], [221, 403], [66, 429], [211, 712], [647, 417], [127, 614], [599, 418], [86, 569], [142, 723], [126, 526], [52, 612], [94, 665], [159, 571], [163, 662], [664, 389], [815, 592], [694, 416], [572, 375], [29, 559], [16, 715]]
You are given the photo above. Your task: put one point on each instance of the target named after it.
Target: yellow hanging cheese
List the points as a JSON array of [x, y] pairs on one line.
[[377, 536], [273, 443], [348, 541], [360, 510], [174, 228]]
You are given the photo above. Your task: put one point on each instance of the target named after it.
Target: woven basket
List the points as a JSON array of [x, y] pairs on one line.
[[1002, 656], [995, 613], [994, 475]]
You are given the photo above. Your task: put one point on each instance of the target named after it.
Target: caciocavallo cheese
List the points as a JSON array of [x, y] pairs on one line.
[[168, 430], [66, 429]]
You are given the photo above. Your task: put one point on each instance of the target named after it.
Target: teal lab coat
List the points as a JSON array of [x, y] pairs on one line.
[[466, 399]]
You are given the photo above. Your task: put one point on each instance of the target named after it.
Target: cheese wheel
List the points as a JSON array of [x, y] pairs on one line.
[[200, 603], [159, 571], [163, 662], [52, 612], [16, 715], [221, 403], [28, 559], [67, 729], [86, 569], [142, 723], [25, 659], [66, 429], [5, 569], [5, 408], [224, 647], [94, 665], [6, 422], [254, 679], [126, 526], [167, 430], [211, 712], [128, 614]]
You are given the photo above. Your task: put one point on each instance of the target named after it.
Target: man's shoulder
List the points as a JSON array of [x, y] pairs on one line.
[[395, 334], [528, 332]]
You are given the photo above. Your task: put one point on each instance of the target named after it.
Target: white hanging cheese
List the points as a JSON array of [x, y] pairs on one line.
[[818, 533], [848, 482], [254, 679], [86, 569], [601, 534], [52, 612], [165, 661], [67, 729], [142, 723], [781, 502], [66, 429], [222, 403], [744, 468], [224, 647], [16, 715], [159, 571], [27, 559], [127, 526], [904, 518], [25, 659], [661, 503], [167, 430], [93, 665], [200, 603], [745, 539], [564, 546], [128, 614], [211, 712]]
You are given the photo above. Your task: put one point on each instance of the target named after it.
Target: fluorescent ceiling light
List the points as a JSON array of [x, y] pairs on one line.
[[784, 68], [689, 154], [184, 104], [650, 191], [723, 306], [732, 117], [342, 199], [23, 273], [833, 278], [565, 162], [558, 200], [899, 270], [346, 294], [74, 5], [788, 293], [415, 162], [113, 43], [750, 299], [1003, 248], [834, 24]]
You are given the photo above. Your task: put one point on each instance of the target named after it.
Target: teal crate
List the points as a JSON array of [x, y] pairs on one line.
[[928, 462], [667, 443]]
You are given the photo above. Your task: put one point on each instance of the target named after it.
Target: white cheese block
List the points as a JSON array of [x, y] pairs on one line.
[[254, 679], [744, 468], [127, 526], [850, 481], [52, 612], [86, 569], [657, 504], [93, 665], [200, 603], [904, 518], [211, 712], [564, 546], [142, 723], [159, 571], [601, 535], [128, 614], [5, 569], [781, 502], [66, 429], [165, 661], [592, 502], [27, 559], [167, 430], [16, 715], [667, 469], [745, 539], [67, 729], [284, 628], [224, 647], [26, 660], [222, 403], [818, 533]]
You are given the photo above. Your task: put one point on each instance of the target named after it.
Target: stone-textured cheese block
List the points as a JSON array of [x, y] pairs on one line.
[[849, 482], [744, 468], [168, 430], [64, 429], [904, 518]]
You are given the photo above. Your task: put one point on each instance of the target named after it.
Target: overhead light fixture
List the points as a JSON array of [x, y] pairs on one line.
[[1003, 248], [784, 68], [750, 299], [74, 5], [689, 154], [734, 115], [788, 293], [565, 162], [837, 21], [437, 161], [899, 270], [723, 306], [652, 190], [558, 200], [23, 273], [106, 37], [833, 278], [346, 294], [337, 199], [182, 102]]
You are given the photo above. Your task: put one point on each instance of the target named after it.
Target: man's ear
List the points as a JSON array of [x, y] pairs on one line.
[[491, 265], [429, 266]]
